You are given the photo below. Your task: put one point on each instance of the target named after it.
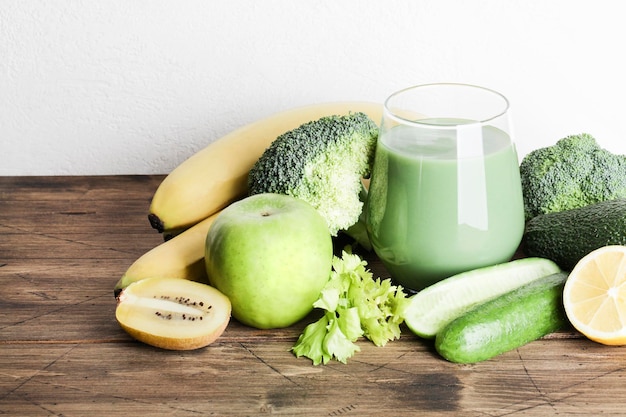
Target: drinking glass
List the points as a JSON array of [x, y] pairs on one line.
[[445, 193]]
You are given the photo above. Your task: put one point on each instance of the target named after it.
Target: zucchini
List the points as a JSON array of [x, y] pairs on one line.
[[505, 322]]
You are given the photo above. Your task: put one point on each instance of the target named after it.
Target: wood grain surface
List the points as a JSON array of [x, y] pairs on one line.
[[67, 240]]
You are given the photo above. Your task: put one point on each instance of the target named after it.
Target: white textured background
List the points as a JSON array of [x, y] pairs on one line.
[[135, 87]]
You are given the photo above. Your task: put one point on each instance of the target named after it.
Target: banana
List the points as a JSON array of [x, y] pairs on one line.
[[217, 175], [180, 257]]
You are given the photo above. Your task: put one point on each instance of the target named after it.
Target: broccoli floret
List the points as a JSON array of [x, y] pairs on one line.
[[574, 172], [321, 162]]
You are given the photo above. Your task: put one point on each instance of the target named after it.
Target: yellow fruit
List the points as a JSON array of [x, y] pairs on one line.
[[180, 257], [173, 314], [594, 296], [217, 175]]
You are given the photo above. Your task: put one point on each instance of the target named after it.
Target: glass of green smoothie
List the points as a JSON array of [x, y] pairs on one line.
[[445, 193]]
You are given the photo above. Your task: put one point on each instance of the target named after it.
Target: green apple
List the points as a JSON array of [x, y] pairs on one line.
[[271, 255]]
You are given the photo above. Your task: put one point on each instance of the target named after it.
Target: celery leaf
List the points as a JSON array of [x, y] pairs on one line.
[[355, 305]]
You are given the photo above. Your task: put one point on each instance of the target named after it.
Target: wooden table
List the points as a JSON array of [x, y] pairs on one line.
[[66, 241]]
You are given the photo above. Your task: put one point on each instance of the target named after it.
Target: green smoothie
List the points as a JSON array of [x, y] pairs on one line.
[[444, 203]]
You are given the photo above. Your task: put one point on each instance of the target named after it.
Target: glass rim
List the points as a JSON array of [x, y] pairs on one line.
[[397, 117]]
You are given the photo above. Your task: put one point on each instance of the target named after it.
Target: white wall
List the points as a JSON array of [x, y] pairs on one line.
[[135, 87]]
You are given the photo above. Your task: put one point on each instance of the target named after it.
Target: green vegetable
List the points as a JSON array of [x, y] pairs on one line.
[[354, 305], [431, 309], [322, 162], [567, 236], [573, 173], [506, 322]]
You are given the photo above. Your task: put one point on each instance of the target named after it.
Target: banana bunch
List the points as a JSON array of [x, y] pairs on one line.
[[189, 199]]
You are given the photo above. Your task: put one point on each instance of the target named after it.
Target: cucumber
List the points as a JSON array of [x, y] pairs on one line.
[[432, 308], [505, 322]]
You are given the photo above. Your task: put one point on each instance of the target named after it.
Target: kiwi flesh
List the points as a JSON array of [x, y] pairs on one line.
[[173, 313]]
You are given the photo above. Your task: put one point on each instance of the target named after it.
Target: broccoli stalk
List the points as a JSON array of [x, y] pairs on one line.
[[574, 172], [358, 231], [323, 163]]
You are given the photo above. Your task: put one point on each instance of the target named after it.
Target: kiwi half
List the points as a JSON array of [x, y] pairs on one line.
[[173, 313]]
